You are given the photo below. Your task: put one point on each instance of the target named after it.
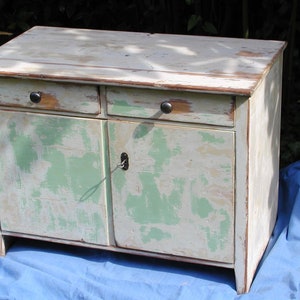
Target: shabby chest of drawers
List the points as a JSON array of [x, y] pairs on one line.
[[151, 144]]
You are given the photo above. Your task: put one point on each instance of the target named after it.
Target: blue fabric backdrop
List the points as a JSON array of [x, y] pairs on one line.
[[38, 270]]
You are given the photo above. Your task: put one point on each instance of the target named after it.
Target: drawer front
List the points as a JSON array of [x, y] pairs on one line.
[[185, 106], [53, 96]]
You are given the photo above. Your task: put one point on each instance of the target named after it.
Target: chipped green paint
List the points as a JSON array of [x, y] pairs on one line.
[[119, 177], [152, 207], [119, 106], [224, 227], [112, 133], [203, 179], [97, 221], [153, 234], [211, 138], [52, 130], [81, 169], [201, 207], [156, 204], [98, 228], [36, 193], [61, 166], [82, 216], [227, 169], [65, 223], [84, 170], [122, 107], [120, 181], [160, 151], [56, 177], [37, 205], [62, 222], [212, 239], [23, 148], [217, 239], [86, 140], [51, 221], [78, 174]]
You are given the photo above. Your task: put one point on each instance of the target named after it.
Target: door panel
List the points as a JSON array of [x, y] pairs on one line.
[[52, 181], [177, 196]]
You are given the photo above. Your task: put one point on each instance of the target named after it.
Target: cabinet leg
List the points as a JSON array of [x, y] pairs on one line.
[[5, 242], [242, 281]]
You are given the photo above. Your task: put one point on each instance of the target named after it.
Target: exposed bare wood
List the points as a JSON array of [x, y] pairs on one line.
[[157, 60]]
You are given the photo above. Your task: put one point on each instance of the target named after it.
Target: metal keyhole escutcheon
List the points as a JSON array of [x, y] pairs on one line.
[[124, 165]]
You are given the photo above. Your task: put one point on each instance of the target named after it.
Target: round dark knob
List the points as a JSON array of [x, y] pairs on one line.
[[35, 97], [166, 107]]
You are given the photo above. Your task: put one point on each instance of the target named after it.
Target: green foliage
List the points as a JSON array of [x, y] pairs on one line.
[[193, 21], [261, 19]]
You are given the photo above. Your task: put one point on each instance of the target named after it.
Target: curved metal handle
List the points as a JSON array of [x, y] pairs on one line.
[[35, 97], [166, 107]]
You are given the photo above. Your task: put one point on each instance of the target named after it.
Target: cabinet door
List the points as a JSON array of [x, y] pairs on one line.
[[177, 196], [52, 180]]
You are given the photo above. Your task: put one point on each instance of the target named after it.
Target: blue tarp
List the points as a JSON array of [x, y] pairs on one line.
[[39, 270]]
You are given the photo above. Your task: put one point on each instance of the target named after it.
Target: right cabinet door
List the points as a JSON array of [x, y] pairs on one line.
[[177, 195]]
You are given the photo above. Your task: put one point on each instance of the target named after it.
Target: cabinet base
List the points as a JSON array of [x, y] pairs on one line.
[[7, 239]]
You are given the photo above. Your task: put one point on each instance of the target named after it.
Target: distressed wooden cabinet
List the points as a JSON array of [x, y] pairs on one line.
[[152, 144]]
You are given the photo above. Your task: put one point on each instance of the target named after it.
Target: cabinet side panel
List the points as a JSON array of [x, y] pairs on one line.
[[264, 143], [241, 203]]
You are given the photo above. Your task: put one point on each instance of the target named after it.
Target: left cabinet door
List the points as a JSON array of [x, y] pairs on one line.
[[52, 177]]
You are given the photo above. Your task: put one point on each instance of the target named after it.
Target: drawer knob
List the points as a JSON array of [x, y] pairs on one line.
[[35, 97], [166, 107]]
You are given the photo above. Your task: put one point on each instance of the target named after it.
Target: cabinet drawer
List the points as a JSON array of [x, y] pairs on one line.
[[184, 106], [66, 97]]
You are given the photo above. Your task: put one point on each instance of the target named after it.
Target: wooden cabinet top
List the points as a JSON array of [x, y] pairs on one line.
[[195, 63]]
